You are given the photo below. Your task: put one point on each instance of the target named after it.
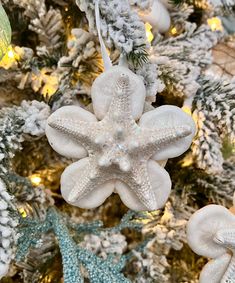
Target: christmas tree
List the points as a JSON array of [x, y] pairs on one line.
[[117, 157]]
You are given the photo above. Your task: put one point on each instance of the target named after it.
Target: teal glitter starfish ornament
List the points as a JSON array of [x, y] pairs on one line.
[[74, 256]]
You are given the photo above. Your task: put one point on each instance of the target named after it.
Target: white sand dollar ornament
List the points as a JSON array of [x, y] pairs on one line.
[[118, 149], [211, 233], [202, 228], [158, 17]]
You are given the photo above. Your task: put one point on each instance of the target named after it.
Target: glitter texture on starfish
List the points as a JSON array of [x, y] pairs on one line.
[[116, 153], [211, 233]]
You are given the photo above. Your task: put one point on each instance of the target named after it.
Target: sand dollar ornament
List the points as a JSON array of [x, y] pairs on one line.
[[119, 147], [211, 233], [157, 16], [5, 32]]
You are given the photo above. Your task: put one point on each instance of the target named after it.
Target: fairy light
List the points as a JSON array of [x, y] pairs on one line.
[[71, 37], [35, 180], [22, 212], [51, 85], [187, 161], [10, 54], [187, 109], [215, 24], [174, 31], [10, 58], [149, 33]]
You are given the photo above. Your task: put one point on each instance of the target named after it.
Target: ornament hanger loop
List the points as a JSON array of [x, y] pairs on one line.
[[104, 53]]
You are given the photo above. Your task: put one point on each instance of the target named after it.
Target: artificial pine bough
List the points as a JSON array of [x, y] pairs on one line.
[[53, 61]]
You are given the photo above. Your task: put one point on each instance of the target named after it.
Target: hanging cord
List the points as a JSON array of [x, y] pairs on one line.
[[104, 53]]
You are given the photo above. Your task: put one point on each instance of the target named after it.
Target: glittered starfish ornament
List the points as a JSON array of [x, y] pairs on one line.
[[116, 153], [211, 233]]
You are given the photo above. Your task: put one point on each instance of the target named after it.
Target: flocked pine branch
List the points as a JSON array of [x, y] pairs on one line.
[[176, 63], [35, 267], [8, 232], [11, 135], [181, 58], [27, 70], [49, 27], [149, 72], [120, 25], [16, 123], [46, 23], [201, 187], [83, 59], [215, 117], [180, 14], [29, 199], [81, 48], [225, 4], [32, 7], [168, 230], [220, 188]]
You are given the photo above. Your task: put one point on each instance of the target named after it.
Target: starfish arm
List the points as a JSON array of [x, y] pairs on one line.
[[229, 276], [175, 129], [60, 141], [120, 106], [215, 269], [82, 131], [140, 183], [226, 238], [152, 141], [79, 181], [83, 185], [146, 187]]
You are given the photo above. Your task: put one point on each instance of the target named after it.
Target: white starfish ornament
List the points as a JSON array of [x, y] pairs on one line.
[[116, 153], [211, 233]]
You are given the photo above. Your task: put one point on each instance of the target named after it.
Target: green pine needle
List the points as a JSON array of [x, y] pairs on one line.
[[138, 56]]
